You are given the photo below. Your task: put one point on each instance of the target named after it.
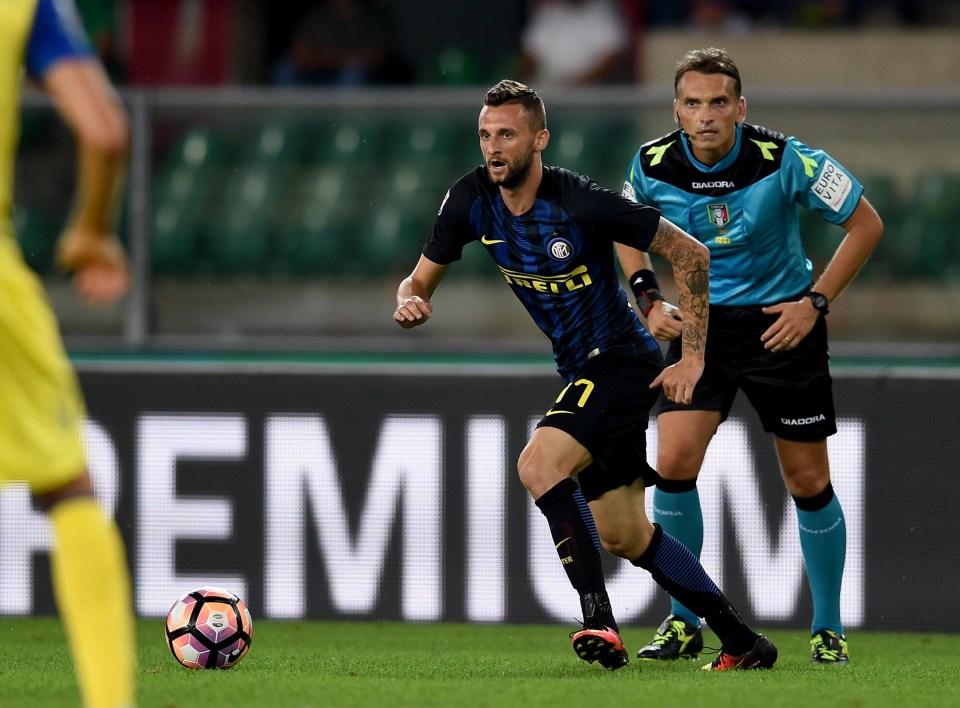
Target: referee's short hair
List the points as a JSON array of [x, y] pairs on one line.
[[708, 60], [508, 91]]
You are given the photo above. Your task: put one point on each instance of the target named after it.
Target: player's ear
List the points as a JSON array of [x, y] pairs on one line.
[[741, 110], [542, 139]]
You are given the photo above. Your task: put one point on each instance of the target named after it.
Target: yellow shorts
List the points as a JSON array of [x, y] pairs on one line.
[[41, 406]]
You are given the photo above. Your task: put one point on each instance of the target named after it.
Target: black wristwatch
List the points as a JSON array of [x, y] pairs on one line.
[[819, 301]]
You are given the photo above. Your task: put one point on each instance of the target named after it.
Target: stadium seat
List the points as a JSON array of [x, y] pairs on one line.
[[453, 66], [315, 241], [315, 226], [402, 211], [353, 138], [240, 232], [592, 145], [882, 192], [198, 147], [185, 183], [37, 234], [392, 232], [279, 141], [441, 141], [925, 244]]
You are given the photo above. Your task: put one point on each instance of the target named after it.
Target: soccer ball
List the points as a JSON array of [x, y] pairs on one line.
[[209, 628]]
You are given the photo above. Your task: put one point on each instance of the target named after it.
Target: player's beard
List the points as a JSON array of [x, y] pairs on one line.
[[517, 171]]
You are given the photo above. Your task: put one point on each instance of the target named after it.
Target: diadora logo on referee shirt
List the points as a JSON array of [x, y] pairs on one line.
[[718, 184]]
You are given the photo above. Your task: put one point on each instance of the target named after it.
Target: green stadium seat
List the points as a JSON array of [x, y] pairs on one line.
[[314, 228], [422, 183], [182, 190], [200, 146], [821, 238], [392, 232], [37, 126], [440, 141], [240, 232], [454, 66], [882, 192], [349, 138], [315, 241], [37, 234], [592, 145], [923, 245], [279, 142]]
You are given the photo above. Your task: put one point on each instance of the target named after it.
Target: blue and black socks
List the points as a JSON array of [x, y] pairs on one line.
[[679, 572], [571, 525]]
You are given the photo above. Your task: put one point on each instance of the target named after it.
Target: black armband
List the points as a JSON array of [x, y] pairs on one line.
[[645, 289]]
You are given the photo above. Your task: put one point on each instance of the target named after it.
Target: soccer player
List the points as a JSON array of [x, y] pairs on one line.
[[738, 188], [42, 406], [550, 231]]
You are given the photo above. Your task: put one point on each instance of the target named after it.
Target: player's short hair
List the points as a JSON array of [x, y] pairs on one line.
[[708, 60], [508, 91]]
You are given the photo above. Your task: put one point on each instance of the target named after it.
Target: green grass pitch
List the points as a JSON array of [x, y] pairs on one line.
[[393, 664]]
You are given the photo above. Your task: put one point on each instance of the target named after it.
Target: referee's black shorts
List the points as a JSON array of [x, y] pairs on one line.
[[791, 390], [606, 408]]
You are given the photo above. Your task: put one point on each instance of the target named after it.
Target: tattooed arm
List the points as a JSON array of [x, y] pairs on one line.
[[662, 319], [691, 271]]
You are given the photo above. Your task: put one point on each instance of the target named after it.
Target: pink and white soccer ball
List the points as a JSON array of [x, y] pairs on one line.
[[209, 628]]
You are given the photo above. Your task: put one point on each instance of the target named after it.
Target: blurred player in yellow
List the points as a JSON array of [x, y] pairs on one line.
[[41, 406]]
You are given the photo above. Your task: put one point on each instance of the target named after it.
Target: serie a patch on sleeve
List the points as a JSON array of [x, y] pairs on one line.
[[832, 185]]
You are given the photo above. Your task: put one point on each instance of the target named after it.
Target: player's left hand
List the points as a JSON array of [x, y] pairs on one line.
[[794, 323], [665, 321], [679, 380], [98, 262]]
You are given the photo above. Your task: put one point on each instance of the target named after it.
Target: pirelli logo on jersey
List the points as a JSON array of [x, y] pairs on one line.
[[556, 284], [832, 185]]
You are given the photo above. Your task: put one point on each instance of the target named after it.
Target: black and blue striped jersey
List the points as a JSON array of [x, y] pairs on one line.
[[745, 208], [558, 257]]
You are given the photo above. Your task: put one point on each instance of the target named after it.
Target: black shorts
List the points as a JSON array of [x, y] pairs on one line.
[[791, 390], [606, 409]]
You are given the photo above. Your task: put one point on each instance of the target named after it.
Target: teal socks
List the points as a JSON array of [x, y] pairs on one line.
[[679, 514], [823, 539]]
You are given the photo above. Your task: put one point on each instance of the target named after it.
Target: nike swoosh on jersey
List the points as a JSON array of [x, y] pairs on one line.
[[557, 545], [556, 412], [490, 241]]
